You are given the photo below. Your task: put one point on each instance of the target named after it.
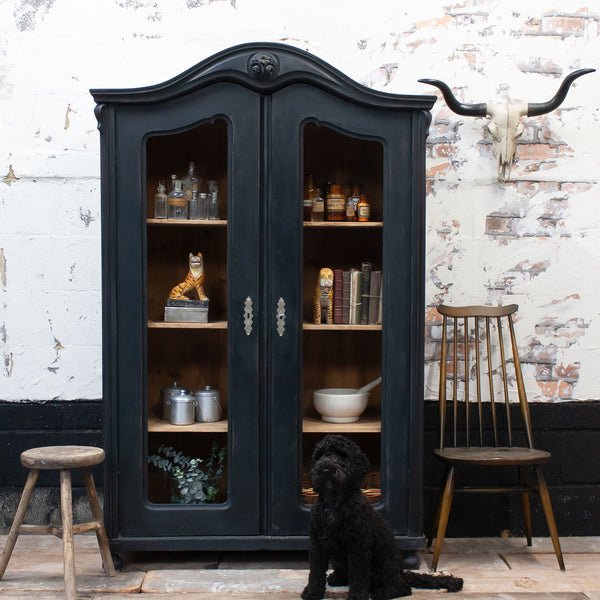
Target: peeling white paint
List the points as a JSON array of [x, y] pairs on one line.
[[53, 51]]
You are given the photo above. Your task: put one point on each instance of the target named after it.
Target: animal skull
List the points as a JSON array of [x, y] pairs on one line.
[[505, 125]]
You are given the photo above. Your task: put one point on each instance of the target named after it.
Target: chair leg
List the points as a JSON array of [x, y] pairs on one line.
[[66, 510], [525, 506], [444, 514], [438, 507], [547, 506], [11, 540], [107, 561]]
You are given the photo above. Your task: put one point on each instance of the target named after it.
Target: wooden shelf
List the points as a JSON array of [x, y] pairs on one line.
[[210, 325], [188, 222], [368, 424], [343, 224], [158, 425], [323, 327]]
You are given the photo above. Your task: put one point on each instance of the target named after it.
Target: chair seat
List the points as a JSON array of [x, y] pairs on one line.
[[490, 455], [62, 457]]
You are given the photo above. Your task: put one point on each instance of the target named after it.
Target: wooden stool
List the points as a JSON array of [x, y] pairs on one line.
[[63, 458]]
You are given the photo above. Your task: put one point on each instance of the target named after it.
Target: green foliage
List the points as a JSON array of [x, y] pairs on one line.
[[197, 481]]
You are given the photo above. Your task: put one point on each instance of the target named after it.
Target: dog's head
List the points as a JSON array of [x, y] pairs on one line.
[[338, 465]]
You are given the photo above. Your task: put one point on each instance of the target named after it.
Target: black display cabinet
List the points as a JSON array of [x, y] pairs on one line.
[[256, 119]]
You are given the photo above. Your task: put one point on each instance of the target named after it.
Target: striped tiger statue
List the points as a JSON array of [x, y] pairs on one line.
[[323, 298], [193, 281]]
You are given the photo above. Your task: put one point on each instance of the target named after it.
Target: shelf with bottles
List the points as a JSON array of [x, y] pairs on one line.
[[343, 184], [187, 222], [181, 163]]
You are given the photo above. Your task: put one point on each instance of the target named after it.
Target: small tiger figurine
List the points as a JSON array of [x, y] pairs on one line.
[[323, 298], [194, 280]]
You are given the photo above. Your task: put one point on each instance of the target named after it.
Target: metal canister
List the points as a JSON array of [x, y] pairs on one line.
[[182, 408], [167, 393], [208, 408]]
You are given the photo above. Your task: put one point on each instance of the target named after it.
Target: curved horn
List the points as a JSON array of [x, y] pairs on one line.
[[468, 110], [541, 108]]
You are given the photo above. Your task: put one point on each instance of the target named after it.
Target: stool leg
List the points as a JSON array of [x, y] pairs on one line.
[[107, 561], [66, 509], [11, 540]]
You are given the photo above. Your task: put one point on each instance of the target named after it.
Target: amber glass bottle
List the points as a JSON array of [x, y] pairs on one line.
[[363, 208], [336, 204]]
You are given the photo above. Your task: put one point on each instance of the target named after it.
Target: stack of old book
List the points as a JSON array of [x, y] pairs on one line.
[[357, 296]]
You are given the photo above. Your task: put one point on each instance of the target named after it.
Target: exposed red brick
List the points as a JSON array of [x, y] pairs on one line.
[[570, 372], [537, 151], [576, 187], [549, 388], [565, 25], [565, 390], [502, 225], [432, 315], [438, 170], [443, 150]]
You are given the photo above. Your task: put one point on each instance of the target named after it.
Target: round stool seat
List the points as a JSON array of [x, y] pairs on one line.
[[62, 457]]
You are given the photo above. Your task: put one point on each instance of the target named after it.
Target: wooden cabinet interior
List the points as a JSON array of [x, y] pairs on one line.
[[169, 153], [346, 356]]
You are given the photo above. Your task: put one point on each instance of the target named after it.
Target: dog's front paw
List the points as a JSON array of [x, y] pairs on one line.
[[337, 579], [310, 593]]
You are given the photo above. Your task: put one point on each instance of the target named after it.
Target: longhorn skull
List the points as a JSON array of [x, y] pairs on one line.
[[505, 125]]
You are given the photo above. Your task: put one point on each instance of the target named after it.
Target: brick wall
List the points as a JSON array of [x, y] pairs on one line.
[[533, 240]]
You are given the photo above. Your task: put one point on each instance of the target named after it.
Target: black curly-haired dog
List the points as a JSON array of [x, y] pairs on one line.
[[346, 531]]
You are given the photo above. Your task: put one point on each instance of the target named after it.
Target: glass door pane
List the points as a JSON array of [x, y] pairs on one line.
[[341, 348], [187, 430]]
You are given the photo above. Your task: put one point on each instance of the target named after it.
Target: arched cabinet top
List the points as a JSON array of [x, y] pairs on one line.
[[264, 68]]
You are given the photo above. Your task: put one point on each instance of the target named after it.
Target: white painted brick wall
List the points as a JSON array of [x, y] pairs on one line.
[[534, 241]]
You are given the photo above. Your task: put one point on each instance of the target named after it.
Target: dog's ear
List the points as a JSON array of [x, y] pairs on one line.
[[361, 467]]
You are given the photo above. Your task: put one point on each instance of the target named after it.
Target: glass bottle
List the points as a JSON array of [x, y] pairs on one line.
[[318, 206], [309, 189], [203, 207], [161, 202], [213, 200], [177, 203], [190, 183], [363, 209], [336, 203], [193, 206], [352, 204]]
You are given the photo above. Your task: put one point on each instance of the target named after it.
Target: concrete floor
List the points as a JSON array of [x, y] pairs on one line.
[[499, 569]]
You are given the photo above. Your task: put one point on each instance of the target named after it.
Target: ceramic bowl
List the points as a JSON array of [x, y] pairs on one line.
[[340, 405]]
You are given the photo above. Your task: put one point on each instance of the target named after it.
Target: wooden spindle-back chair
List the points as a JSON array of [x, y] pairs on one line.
[[480, 364]]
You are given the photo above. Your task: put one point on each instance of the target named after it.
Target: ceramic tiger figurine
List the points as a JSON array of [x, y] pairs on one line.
[[323, 298], [193, 281]]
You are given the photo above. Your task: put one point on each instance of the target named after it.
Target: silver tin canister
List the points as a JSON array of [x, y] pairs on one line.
[[167, 393], [208, 408], [182, 409]]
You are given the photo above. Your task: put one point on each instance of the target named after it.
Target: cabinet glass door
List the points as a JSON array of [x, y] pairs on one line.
[[197, 473], [338, 147]]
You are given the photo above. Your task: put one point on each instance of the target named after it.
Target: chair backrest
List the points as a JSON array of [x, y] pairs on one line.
[[479, 362]]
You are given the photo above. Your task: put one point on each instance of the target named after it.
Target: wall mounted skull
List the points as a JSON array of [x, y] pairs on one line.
[[505, 125]]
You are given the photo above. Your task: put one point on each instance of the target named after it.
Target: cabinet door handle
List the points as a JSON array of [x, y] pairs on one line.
[[248, 315], [280, 316]]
